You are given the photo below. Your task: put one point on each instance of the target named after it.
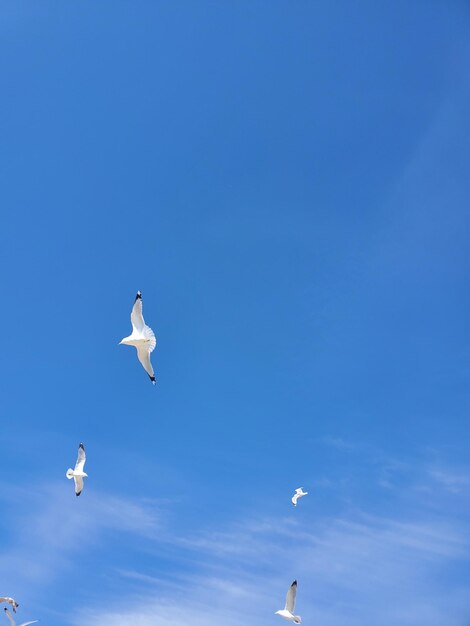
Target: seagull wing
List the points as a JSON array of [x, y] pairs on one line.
[[294, 499], [14, 603], [137, 319], [7, 613], [299, 490], [81, 458], [143, 354], [290, 598], [78, 485], [138, 323], [33, 622]]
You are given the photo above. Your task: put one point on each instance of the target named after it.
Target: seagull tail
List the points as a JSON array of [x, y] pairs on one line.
[[69, 473]]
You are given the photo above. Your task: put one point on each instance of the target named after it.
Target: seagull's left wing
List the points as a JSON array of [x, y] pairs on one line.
[[290, 598], [81, 458], [137, 319], [33, 622]]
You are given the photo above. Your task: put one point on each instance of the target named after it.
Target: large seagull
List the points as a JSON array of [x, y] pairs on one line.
[[14, 603], [78, 474], [142, 337], [288, 611], [299, 493], [7, 613]]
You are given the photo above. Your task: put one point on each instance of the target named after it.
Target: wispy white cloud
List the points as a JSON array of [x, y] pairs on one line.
[[383, 569], [48, 526], [453, 481], [338, 442], [352, 568]]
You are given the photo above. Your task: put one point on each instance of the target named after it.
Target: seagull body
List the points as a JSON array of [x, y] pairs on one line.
[[299, 493], [78, 474], [14, 603], [142, 337], [7, 613], [288, 611]]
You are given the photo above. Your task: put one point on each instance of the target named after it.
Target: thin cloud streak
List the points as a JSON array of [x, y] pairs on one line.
[[372, 563], [49, 526], [386, 569]]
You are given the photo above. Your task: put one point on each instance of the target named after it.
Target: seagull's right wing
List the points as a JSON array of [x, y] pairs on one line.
[[33, 622], [137, 319], [290, 598], [7, 613], [143, 355], [294, 499], [14, 603], [78, 485], [81, 458]]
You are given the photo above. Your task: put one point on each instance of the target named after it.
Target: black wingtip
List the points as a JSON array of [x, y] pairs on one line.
[[294, 584], [82, 446], [77, 494], [153, 379], [138, 296]]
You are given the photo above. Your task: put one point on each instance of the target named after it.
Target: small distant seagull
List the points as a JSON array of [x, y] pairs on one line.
[[14, 603], [288, 611], [7, 613], [78, 474], [299, 493], [142, 337]]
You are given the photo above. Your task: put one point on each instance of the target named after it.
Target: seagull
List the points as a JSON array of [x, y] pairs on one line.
[[142, 337], [288, 611], [14, 603], [298, 494], [7, 613], [78, 474]]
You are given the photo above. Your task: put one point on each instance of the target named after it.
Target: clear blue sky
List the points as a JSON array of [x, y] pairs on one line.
[[287, 184]]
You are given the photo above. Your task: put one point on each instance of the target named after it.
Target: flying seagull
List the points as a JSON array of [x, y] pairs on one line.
[[7, 613], [14, 603], [78, 474], [288, 611], [142, 337], [298, 494]]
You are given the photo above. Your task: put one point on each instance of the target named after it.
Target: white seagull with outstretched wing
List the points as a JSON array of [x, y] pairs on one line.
[[142, 337], [78, 474], [13, 623], [299, 493], [14, 603], [288, 611]]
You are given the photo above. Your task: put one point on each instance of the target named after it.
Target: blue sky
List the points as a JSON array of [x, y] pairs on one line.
[[287, 184]]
